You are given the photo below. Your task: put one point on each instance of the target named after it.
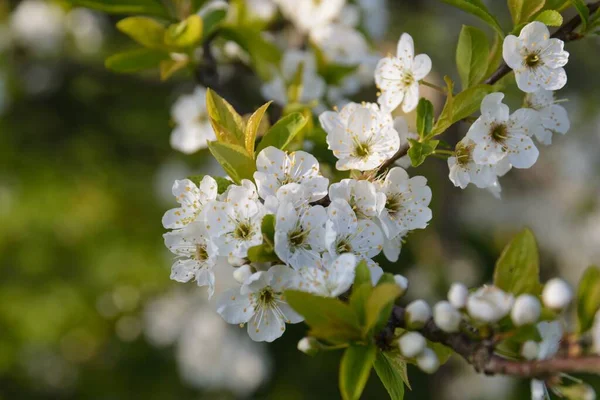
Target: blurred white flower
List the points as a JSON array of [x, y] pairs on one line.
[[489, 304], [193, 130], [307, 15], [341, 44], [87, 28], [263, 10], [39, 26]]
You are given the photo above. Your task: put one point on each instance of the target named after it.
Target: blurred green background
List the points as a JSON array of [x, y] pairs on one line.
[[87, 310]]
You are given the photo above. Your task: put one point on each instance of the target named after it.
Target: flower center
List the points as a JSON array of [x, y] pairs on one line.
[[463, 154], [298, 237], [243, 231], [393, 203], [202, 118], [408, 78], [266, 298], [343, 246], [357, 210], [532, 60], [498, 133], [201, 254], [361, 150]]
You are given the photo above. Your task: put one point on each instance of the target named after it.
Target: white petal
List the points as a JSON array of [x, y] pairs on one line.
[[265, 326], [533, 34], [523, 153], [421, 66], [511, 52], [406, 49], [493, 108], [234, 307], [411, 98]]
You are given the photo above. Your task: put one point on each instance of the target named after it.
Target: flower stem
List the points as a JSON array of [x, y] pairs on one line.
[[433, 86]]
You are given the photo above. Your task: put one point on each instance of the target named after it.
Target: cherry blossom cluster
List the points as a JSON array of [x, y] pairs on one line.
[[499, 139]]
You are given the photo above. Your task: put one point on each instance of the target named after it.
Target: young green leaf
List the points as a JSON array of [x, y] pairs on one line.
[[227, 123], [295, 87], [522, 10], [472, 55], [362, 274], [517, 270], [252, 127], [584, 12], [144, 7], [355, 368], [282, 133], [234, 159], [478, 9], [588, 298], [212, 20], [262, 253], [146, 31], [424, 117], [550, 18], [170, 66], [495, 56], [381, 297], [391, 374], [358, 301], [186, 33], [460, 106], [418, 151], [135, 60], [267, 228]]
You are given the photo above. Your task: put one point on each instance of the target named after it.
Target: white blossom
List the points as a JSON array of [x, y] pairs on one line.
[[329, 277], [192, 199], [458, 294], [242, 273], [193, 130], [526, 310], [307, 15], [417, 314], [411, 344], [489, 304], [551, 333], [406, 203], [360, 195], [39, 26], [428, 361], [537, 59], [392, 247], [309, 345], [275, 168], [446, 317], [398, 77], [235, 224], [557, 294], [197, 255], [313, 86], [498, 135], [341, 44], [530, 350], [263, 10], [345, 233], [361, 136], [260, 303], [554, 116], [300, 236], [402, 283]]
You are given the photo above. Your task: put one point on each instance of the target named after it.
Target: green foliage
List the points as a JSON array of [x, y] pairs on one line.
[[234, 159], [253, 125], [522, 10], [355, 368], [519, 335], [419, 151], [424, 117], [472, 55], [295, 86], [362, 274], [550, 18], [282, 132], [227, 123], [185, 34], [170, 66], [583, 11], [212, 21], [442, 352], [495, 56], [146, 31], [392, 374], [517, 270], [135, 60], [144, 7], [478, 9], [382, 296], [332, 73], [588, 298]]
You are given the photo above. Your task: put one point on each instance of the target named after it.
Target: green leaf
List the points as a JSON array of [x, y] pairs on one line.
[[381, 297], [212, 21], [555, 4], [252, 127], [146, 31], [329, 319], [226, 122], [583, 11], [170, 66], [267, 227], [478, 9], [472, 55], [295, 87], [144, 7], [443, 352], [512, 344], [222, 183], [391, 374], [358, 301], [550, 18], [355, 368], [362, 274], [234, 159], [418, 151], [262, 253], [495, 56], [135, 60], [588, 298], [282, 133], [424, 117], [522, 10], [517, 270], [265, 55], [187, 33]]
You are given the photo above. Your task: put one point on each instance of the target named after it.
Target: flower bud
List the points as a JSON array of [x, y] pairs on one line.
[[428, 361], [458, 295], [530, 350], [242, 273], [557, 294], [526, 310], [489, 304], [402, 283], [446, 317], [417, 314], [236, 261], [411, 344], [309, 345]]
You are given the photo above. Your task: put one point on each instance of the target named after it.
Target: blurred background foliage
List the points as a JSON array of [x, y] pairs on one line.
[[87, 310]]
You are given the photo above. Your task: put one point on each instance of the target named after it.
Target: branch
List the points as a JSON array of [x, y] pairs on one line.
[[480, 352], [566, 33]]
